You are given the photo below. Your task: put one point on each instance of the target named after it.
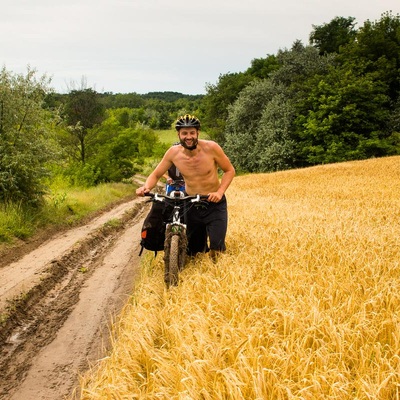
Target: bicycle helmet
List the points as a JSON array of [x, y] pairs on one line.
[[187, 121]]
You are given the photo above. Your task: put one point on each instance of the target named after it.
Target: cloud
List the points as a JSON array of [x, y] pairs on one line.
[[153, 45]]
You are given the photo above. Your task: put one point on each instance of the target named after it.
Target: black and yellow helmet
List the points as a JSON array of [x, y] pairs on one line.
[[187, 121]]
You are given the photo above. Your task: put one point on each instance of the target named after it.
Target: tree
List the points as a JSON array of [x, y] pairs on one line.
[[377, 45], [26, 142], [243, 122], [275, 148], [262, 67], [328, 38], [348, 112], [299, 65], [120, 147], [258, 130], [217, 100], [83, 111]]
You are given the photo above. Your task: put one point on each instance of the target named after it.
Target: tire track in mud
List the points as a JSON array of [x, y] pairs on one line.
[[55, 328]]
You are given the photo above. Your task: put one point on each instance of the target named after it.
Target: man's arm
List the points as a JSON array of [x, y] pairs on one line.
[[155, 176], [226, 166]]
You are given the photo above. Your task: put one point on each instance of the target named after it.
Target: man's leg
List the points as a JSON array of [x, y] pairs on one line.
[[197, 238], [217, 224]]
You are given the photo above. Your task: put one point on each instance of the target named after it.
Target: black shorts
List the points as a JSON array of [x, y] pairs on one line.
[[207, 226]]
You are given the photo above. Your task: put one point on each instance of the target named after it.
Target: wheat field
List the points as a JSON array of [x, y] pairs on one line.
[[305, 303]]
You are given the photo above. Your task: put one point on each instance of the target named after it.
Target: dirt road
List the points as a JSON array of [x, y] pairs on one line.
[[59, 300]]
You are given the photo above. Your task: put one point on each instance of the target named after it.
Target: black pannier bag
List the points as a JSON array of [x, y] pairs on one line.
[[153, 229]]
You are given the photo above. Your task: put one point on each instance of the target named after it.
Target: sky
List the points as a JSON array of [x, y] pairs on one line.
[[125, 46]]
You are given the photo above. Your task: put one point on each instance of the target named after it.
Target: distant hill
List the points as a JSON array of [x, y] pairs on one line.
[[171, 96]]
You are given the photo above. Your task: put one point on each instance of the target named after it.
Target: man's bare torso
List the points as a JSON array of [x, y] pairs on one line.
[[198, 167]]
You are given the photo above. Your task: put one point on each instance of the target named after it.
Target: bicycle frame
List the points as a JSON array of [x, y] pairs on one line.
[[175, 245]]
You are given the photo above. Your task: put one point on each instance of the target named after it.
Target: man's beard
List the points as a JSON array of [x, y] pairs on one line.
[[192, 147]]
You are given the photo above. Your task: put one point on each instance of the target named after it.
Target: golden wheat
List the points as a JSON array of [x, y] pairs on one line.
[[305, 303]]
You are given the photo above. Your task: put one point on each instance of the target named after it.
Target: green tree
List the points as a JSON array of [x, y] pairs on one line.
[[119, 149], [26, 143], [377, 46], [217, 100], [299, 66], [243, 122], [258, 130], [83, 111], [262, 67], [328, 38], [275, 148], [348, 113]]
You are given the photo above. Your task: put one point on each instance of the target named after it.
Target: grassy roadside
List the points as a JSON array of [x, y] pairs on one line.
[[63, 206]]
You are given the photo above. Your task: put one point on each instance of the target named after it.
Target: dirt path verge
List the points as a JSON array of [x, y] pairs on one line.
[[57, 302]]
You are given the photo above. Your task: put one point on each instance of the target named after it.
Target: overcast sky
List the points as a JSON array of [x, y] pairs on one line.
[[124, 46]]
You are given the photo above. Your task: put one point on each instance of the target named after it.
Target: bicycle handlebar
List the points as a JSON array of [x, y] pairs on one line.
[[161, 197]]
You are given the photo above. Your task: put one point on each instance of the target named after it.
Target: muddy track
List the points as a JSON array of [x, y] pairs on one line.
[[57, 302]]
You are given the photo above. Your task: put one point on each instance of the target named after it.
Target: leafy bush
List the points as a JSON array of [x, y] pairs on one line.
[[26, 142]]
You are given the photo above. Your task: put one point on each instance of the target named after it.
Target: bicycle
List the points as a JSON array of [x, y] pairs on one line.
[[175, 244]]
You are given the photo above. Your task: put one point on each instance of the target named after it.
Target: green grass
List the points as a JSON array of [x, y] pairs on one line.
[[66, 205], [63, 206], [170, 136], [15, 222]]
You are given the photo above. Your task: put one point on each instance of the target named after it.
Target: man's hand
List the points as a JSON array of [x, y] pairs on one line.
[[142, 190], [214, 197]]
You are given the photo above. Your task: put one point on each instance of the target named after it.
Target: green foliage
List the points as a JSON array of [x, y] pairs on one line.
[[84, 107], [242, 123], [15, 222], [26, 142], [276, 148], [121, 100], [62, 206], [262, 67], [168, 136], [218, 99], [83, 111], [158, 110], [328, 38], [258, 134], [220, 96], [82, 175], [121, 147], [333, 102], [346, 118], [170, 97], [299, 65], [351, 109], [377, 46]]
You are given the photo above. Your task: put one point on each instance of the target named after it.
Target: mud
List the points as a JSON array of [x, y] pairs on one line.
[[58, 297]]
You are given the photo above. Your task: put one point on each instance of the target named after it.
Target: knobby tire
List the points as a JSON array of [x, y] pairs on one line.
[[172, 267], [175, 247]]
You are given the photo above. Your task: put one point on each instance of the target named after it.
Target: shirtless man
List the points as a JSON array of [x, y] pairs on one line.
[[198, 161]]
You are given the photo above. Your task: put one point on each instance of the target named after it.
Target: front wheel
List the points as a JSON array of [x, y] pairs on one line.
[[172, 267], [175, 248]]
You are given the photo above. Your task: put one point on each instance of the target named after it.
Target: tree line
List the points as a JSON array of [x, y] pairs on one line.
[[335, 99]]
